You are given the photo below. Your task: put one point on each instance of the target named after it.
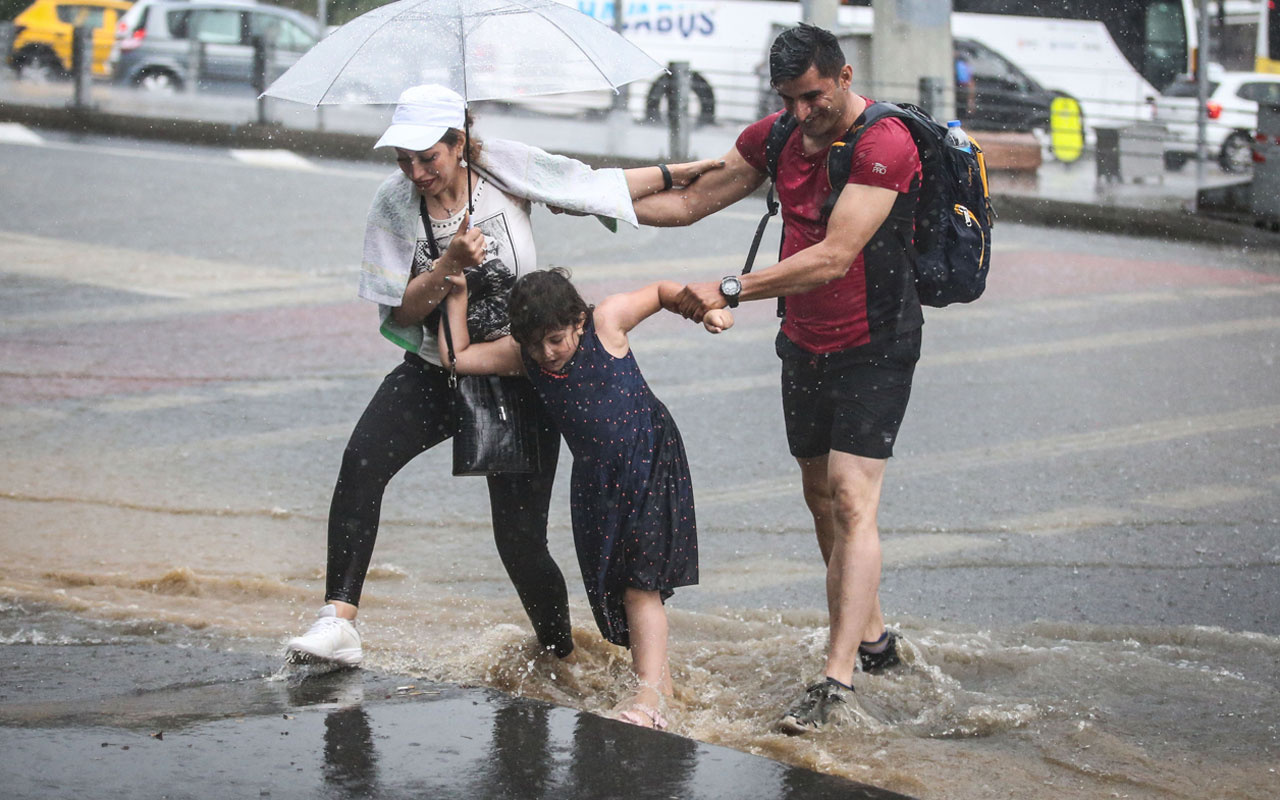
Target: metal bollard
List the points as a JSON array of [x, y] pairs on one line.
[[81, 65], [931, 96], [678, 111], [261, 62], [195, 65], [6, 46]]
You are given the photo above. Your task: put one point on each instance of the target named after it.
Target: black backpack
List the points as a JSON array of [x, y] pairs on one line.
[[953, 214]]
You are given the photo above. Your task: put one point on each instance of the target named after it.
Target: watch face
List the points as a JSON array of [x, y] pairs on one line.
[[730, 286]]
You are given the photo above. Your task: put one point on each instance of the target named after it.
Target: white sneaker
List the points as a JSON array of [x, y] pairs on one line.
[[330, 639]]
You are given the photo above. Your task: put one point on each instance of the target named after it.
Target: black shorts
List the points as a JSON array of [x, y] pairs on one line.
[[852, 401]]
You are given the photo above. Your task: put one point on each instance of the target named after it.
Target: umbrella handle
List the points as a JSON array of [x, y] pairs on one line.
[[466, 153]]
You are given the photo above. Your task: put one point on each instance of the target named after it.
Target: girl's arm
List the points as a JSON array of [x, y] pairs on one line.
[[499, 357], [617, 314]]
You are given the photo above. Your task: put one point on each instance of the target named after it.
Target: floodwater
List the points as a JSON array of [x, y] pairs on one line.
[[167, 465], [1035, 710]]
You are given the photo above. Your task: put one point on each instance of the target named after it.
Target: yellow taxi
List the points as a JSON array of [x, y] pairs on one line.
[[42, 35]]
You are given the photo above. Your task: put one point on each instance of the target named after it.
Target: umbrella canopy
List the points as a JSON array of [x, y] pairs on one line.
[[482, 49]]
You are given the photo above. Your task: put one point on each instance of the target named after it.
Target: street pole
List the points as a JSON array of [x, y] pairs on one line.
[[1202, 82], [322, 16], [81, 64], [911, 42], [678, 112], [823, 13], [622, 95]]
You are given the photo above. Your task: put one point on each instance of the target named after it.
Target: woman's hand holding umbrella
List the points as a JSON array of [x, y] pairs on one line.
[[429, 288], [466, 249]]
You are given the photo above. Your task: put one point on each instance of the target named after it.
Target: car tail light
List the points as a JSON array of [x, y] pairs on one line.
[[134, 41], [1214, 109]]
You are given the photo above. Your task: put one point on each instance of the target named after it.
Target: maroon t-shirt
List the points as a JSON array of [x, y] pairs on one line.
[[834, 316]]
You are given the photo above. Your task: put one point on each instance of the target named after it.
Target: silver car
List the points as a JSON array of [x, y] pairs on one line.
[[166, 45]]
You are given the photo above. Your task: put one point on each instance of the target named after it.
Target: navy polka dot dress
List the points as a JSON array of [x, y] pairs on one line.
[[631, 496]]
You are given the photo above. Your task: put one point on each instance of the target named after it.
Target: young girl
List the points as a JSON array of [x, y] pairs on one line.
[[632, 501]]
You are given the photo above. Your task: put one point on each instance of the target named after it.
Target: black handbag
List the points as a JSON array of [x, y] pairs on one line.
[[496, 422], [495, 418]]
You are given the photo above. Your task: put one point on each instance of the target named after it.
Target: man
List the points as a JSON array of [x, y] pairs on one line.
[[966, 86], [850, 336]]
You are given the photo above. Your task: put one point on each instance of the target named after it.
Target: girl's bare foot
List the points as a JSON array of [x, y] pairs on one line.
[[644, 708]]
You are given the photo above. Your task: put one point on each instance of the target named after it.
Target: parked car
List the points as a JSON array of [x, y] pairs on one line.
[[1004, 98], [42, 35], [156, 42], [1232, 117]]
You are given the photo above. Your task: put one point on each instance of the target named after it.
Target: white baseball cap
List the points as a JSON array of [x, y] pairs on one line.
[[422, 115]]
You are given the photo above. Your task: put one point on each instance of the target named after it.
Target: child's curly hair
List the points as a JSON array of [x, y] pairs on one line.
[[541, 301]]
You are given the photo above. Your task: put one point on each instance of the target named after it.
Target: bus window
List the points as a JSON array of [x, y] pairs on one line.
[[1166, 44], [1153, 35], [1269, 38]]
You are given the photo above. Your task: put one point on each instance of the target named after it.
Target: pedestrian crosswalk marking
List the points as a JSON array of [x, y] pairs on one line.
[[283, 159], [137, 271], [17, 133], [1082, 344], [129, 404], [1202, 496], [987, 456]]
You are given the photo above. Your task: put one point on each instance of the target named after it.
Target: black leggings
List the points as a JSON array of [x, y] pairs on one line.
[[411, 412]]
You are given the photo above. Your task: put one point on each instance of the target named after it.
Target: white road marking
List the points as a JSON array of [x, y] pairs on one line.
[[372, 171], [1152, 432], [136, 271], [1128, 338], [1202, 496], [17, 133], [280, 159], [129, 404]]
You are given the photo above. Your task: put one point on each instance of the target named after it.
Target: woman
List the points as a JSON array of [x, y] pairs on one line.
[[419, 234]]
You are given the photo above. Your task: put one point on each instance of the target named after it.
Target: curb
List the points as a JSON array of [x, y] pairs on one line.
[[1156, 223], [1012, 207]]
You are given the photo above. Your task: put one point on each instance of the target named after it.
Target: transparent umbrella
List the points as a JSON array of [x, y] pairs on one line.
[[482, 49]]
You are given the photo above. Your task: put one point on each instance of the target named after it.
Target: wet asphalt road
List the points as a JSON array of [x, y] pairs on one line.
[[1095, 440]]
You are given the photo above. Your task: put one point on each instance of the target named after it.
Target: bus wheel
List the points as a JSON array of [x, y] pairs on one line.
[[702, 105]]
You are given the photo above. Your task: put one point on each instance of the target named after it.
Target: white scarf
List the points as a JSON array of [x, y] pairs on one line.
[[517, 169]]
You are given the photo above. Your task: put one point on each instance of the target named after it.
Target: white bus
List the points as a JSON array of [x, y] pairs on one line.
[[1112, 55], [1267, 58]]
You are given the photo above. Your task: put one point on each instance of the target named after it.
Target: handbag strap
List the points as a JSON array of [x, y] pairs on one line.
[[453, 359], [433, 250]]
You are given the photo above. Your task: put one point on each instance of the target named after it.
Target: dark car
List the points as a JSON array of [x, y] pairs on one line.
[[992, 94], [1004, 98]]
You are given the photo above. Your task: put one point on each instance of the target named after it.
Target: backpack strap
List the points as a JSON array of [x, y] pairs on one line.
[[840, 156], [780, 131]]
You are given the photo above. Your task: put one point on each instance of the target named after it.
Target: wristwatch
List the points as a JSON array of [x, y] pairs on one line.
[[730, 288]]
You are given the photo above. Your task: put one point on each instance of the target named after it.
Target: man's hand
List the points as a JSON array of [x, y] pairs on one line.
[[696, 299], [466, 249]]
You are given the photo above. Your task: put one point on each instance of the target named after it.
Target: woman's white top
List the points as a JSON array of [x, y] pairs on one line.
[[394, 227]]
